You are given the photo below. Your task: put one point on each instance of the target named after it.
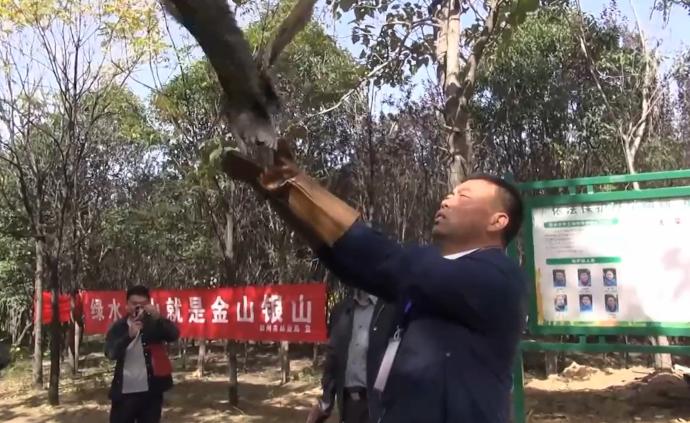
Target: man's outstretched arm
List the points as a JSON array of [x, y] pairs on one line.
[[322, 218]]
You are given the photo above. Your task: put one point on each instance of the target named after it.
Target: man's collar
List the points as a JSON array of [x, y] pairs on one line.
[[369, 297], [460, 254]]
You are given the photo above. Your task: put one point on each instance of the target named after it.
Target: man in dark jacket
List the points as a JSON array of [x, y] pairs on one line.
[[461, 299], [358, 330], [142, 369]]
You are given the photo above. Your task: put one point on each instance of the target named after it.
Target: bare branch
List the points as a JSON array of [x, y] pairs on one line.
[[591, 67], [353, 90]]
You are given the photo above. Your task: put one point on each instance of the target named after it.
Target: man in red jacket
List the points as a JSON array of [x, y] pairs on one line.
[[142, 369]]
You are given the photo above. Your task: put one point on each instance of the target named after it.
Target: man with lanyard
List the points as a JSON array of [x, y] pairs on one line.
[[358, 332], [451, 358]]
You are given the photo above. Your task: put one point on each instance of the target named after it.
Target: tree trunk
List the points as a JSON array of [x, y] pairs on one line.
[[37, 368], [284, 362], [183, 353], [20, 339], [551, 362], [458, 80], [315, 355], [662, 362], [230, 273], [233, 384], [201, 358], [69, 346], [245, 357], [55, 334], [448, 58], [77, 343]]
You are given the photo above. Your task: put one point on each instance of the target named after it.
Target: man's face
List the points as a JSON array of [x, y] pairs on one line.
[[471, 210], [560, 277], [584, 277], [361, 296], [586, 301], [609, 275], [135, 301], [560, 301], [611, 302]]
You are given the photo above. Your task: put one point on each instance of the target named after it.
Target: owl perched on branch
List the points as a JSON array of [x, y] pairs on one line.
[[250, 100]]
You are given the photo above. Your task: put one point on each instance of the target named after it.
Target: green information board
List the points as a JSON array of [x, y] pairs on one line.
[[604, 258], [614, 262]]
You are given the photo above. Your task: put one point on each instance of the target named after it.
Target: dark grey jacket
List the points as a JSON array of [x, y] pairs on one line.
[[381, 329], [153, 335]]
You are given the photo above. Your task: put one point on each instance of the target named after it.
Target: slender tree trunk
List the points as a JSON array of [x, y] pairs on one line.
[[284, 349], [551, 362], [662, 362], [77, 342], [37, 368], [55, 334], [245, 357], [233, 386], [20, 339], [284, 362], [183, 353], [458, 80], [70, 333], [231, 274], [448, 57], [201, 358], [315, 355]]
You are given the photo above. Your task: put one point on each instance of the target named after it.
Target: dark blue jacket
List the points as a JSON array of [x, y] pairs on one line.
[[460, 336]]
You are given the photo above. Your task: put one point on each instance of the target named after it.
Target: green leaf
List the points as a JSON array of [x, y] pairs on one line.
[[520, 10]]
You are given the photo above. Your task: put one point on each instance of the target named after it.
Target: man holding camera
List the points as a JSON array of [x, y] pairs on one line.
[[142, 370]]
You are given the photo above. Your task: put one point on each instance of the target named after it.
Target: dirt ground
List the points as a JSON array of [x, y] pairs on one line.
[[193, 399], [588, 395], [580, 394]]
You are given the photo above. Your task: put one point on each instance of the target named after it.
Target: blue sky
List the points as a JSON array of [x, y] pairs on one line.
[[673, 37]]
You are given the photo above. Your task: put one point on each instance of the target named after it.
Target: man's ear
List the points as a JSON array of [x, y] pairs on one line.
[[499, 221]]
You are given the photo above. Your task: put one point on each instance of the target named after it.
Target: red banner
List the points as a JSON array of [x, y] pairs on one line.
[[63, 304], [295, 313]]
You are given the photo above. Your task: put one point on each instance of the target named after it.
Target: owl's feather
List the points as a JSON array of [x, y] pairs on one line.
[[249, 94]]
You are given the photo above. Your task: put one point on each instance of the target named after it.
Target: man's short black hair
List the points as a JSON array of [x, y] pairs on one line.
[[510, 199], [140, 290]]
